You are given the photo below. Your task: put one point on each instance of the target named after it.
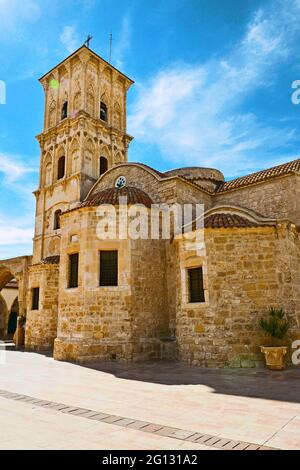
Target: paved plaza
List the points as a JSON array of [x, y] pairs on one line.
[[46, 404]]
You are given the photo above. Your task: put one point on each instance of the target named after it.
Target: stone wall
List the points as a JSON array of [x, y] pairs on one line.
[[126, 322], [246, 271], [278, 198], [41, 325], [167, 190], [150, 302], [94, 322]]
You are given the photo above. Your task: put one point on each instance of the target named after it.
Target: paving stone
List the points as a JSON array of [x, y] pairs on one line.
[[111, 419], [203, 439], [138, 424], [125, 422], [78, 412], [28, 399], [165, 431], [231, 445], [182, 434], [18, 398], [152, 428], [99, 416], [252, 447], [221, 443], [53, 405], [69, 409], [194, 437], [212, 441], [59, 407], [266, 448], [242, 446], [89, 414]]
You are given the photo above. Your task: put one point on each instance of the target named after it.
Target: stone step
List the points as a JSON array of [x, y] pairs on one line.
[[7, 344]]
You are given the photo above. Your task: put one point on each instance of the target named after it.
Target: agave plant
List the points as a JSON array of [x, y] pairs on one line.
[[276, 326]]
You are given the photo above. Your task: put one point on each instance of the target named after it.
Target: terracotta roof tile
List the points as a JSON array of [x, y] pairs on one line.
[[280, 170], [111, 196], [222, 220]]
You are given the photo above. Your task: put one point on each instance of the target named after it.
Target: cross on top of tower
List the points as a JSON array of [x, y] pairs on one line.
[[88, 40]]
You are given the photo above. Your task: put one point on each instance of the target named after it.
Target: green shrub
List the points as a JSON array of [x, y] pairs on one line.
[[276, 326]]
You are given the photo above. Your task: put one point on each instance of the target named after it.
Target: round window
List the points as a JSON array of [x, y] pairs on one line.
[[120, 182]]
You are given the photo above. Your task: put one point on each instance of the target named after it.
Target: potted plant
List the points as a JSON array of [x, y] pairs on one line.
[[276, 327]]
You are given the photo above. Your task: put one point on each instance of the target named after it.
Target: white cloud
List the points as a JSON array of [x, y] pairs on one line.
[[14, 235], [123, 43], [69, 38], [192, 113], [12, 168], [14, 13]]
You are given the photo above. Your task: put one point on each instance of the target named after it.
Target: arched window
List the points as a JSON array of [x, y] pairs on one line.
[[48, 172], [61, 168], [103, 165], [103, 111], [56, 225], [64, 110]]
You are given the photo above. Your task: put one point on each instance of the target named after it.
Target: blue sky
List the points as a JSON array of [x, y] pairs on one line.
[[213, 85]]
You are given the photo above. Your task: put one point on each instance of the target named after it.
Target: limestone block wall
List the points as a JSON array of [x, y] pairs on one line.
[[94, 322], [125, 322], [150, 302], [246, 271], [279, 198], [41, 325], [167, 190]]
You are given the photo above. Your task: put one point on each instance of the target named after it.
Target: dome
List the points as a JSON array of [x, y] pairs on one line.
[[112, 195], [197, 173]]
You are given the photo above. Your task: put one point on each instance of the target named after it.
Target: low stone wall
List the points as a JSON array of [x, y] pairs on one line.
[[41, 325], [246, 271], [127, 351]]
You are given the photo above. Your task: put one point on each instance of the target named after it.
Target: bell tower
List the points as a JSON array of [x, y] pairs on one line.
[[84, 135]]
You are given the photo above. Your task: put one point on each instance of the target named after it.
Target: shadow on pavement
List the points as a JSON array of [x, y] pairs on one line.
[[256, 383]]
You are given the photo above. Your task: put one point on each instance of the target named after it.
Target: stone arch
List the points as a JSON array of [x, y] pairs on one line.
[[16, 268], [77, 103], [74, 156], [104, 108], [89, 157], [90, 100], [64, 106], [3, 316], [52, 114], [117, 116], [47, 170], [118, 158], [12, 319], [104, 153], [61, 152]]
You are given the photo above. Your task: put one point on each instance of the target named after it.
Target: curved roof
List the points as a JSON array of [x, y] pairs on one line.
[[229, 216], [195, 173], [112, 195], [259, 176], [223, 220]]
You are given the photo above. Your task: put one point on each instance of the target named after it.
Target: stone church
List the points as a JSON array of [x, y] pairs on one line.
[[89, 298]]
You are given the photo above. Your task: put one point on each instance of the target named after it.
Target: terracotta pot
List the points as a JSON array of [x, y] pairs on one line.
[[274, 357]]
